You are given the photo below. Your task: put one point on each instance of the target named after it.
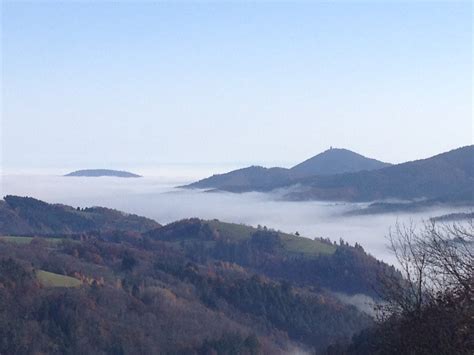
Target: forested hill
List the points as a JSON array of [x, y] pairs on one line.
[[26, 215], [150, 290], [276, 254]]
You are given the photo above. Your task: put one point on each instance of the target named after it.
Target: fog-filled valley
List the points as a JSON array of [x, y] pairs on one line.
[[156, 196], [267, 275], [236, 178]]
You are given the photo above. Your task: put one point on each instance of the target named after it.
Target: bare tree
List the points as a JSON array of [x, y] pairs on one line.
[[433, 259], [450, 249], [431, 307]]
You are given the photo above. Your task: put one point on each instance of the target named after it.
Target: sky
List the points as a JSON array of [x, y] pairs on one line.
[[117, 84]]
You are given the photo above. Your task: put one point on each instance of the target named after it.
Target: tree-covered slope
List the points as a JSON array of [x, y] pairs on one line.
[[297, 259], [255, 289], [26, 215]]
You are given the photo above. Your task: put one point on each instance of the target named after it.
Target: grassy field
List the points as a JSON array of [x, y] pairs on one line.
[[292, 243], [27, 240], [50, 279], [232, 230], [306, 246]]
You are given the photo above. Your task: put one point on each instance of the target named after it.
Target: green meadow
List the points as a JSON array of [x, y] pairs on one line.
[[50, 279]]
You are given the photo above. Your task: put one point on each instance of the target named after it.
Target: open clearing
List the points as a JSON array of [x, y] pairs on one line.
[[50, 279], [292, 243]]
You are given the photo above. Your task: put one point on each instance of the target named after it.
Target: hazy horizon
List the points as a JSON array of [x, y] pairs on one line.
[[182, 172], [139, 84]]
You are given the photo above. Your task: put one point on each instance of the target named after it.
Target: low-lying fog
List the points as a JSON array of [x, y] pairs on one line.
[[156, 197]]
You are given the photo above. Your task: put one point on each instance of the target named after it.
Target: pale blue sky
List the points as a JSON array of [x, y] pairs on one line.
[[118, 84]]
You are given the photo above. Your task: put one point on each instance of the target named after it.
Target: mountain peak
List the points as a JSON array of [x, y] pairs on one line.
[[336, 161]]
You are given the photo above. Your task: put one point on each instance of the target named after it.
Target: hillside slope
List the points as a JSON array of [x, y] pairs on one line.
[[253, 178], [300, 260], [26, 215]]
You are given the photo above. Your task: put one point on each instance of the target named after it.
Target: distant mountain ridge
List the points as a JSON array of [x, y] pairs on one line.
[[342, 175], [446, 177], [103, 172], [257, 178], [252, 178]]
